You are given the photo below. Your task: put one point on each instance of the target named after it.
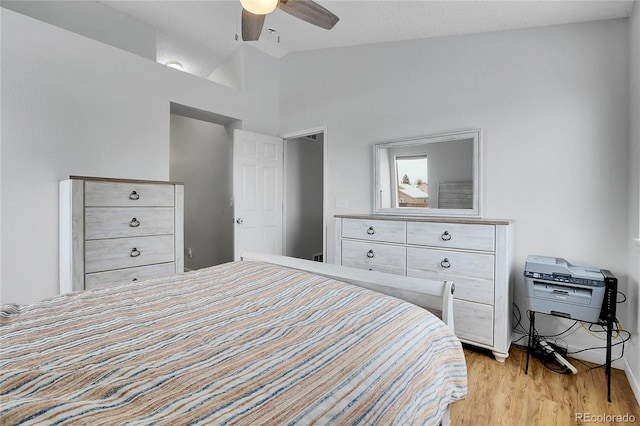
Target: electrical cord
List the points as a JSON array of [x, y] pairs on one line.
[[548, 361], [626, 338], [556, 370], [518, 317], [536, 339], [603, 347], [592, 332], [575, 323], [518, 327]]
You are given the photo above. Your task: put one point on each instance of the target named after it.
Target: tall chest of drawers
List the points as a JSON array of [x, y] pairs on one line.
[[476, 254], [114, 231]]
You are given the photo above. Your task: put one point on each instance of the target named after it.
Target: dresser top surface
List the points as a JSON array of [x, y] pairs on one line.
[[103, 179], [466, 220]]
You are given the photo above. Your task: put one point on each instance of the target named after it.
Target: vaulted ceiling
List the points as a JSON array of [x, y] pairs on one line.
[[201, 34]]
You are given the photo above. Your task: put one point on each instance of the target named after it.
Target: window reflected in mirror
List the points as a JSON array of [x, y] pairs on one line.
[[412, 181]]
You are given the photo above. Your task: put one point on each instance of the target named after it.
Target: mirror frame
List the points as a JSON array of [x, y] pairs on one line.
[[475, 211]]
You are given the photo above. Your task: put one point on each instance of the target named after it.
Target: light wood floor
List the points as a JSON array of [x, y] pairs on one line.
[[501, 394]]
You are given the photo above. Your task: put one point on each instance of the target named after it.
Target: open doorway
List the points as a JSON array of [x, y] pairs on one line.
[[201, 157], [304, 163]]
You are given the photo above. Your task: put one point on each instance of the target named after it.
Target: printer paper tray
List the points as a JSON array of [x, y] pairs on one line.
[[559, 292]]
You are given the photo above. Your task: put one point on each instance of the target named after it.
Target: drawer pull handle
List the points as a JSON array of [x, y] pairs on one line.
[[134, 195], [371, 231], [445, 263], [134, 252], [370, 254], [446, 236], [134, 223]]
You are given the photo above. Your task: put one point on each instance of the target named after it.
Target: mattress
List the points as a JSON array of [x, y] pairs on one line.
[[240, 343]]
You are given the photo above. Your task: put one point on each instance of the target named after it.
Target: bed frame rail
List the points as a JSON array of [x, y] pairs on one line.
[[435, 296]]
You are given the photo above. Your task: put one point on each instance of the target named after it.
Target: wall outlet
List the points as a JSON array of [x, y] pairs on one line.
[[342, 203]]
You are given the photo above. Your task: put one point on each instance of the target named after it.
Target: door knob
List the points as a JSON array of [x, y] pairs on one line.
[[239, 221]]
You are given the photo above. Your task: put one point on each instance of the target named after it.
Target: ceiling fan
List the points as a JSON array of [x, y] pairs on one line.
[[254, 12]]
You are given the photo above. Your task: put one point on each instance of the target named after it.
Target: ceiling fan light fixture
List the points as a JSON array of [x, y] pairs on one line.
[[175, 65], [259, 7]]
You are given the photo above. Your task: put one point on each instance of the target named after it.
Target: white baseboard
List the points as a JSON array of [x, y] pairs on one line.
[[633, 380]]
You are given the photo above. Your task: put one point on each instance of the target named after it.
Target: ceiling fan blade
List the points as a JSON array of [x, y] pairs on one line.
[[309, 11], [251, 25]]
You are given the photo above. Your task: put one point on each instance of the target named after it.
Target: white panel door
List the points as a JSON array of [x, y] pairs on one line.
[[257, 192]]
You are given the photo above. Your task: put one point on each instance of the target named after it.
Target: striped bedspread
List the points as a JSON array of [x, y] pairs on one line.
[[241, 343]]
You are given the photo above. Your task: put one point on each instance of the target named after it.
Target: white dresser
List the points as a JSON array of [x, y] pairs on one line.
[[114, 231], [476, 254]]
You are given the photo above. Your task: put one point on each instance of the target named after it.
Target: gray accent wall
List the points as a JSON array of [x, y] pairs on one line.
[[201, 157], [304, 197]]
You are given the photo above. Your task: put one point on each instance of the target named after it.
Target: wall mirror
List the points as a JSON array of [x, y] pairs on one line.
[[428, 176]]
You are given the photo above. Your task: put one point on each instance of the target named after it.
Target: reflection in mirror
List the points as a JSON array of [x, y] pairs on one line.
[[412, 178], [435, 175]]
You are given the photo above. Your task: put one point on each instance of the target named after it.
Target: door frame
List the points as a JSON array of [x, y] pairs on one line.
[[325, 155]]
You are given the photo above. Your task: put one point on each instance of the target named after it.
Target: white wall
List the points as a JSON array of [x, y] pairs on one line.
[[553, 107], [261, 84], [74, 106], [304, 197], [94, 20], [201, 156], [633, 291]]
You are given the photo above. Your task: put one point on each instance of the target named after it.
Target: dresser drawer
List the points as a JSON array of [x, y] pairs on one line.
[[121, 276], [473, 321], [374, 256], [472, 273], [127, 194], [374, 230], [117, 222], [105, 255], [452, 235]]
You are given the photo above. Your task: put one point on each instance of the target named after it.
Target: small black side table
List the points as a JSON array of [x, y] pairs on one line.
[[609, 322]]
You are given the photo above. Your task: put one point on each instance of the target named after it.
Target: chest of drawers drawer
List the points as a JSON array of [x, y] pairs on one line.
[[374, 256], [452, 235], [105, 255], [374, 230], [117, 222], [127, 275], [472, 273], [127, 194]]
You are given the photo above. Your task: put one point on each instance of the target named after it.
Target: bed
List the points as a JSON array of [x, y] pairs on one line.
[[249, 342]]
